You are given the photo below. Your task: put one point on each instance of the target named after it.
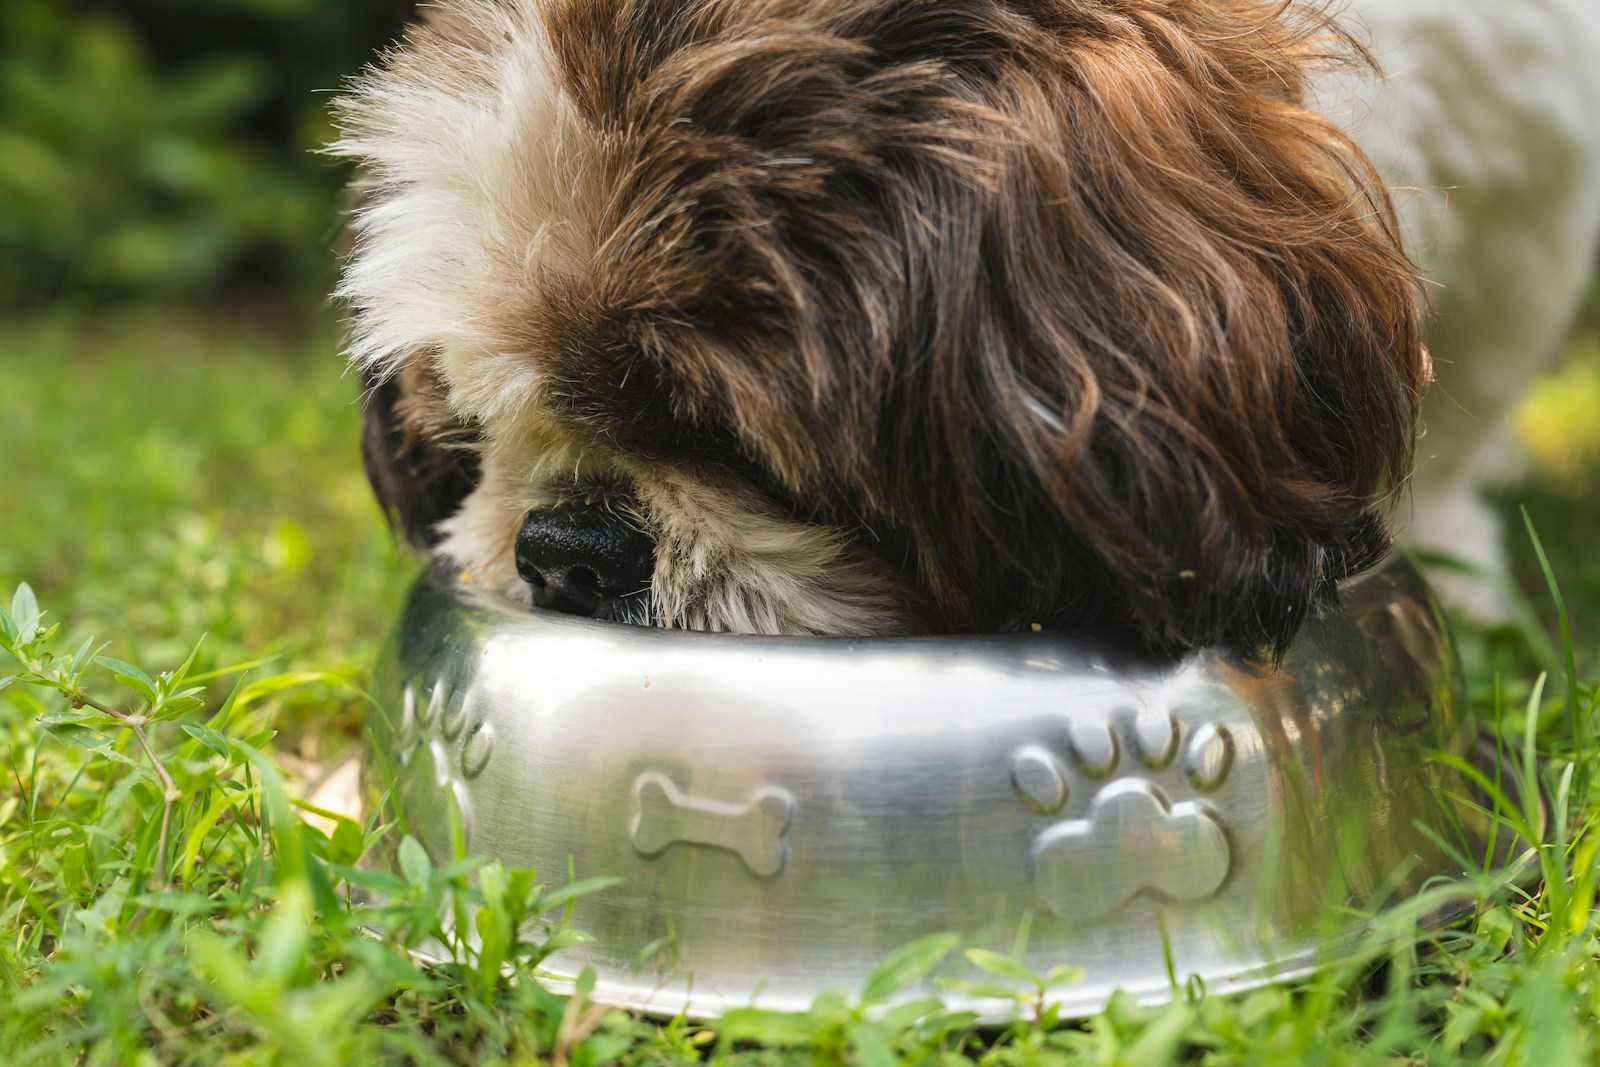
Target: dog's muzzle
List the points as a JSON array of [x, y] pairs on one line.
[[584, 559]]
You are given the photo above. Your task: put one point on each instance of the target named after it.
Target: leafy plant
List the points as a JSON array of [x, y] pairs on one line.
[[172, 897]]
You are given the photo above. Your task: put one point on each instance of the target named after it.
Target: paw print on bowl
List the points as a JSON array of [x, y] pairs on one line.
[[456, 735], [1132, 830]]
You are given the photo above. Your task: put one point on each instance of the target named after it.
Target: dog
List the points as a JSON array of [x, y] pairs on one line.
[[873, 317], [1485, 123]]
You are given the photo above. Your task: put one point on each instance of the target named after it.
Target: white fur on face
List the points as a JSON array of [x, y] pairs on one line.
[[728, 560], [480, 189], [516, 476]]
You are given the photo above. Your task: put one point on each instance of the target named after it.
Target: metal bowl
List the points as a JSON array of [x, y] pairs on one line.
[[786, 811]]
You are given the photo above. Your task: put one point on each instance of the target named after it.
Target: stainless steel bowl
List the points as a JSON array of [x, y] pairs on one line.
[[786, 811]]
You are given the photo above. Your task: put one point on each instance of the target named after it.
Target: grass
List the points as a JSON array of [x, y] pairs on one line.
[[162, 480], [169, 479]]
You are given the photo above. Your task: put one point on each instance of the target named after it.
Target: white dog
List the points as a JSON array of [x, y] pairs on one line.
[[1487, 127]]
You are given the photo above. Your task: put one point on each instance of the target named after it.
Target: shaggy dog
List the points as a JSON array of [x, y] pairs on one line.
[[899, 316]]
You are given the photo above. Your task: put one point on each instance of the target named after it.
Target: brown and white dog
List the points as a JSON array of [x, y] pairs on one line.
[[897, 316]]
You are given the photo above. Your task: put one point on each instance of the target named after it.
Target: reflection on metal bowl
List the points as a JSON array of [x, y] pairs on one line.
[[786, 811]]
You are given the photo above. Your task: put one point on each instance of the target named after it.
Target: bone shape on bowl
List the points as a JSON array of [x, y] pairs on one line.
[[753, 831]]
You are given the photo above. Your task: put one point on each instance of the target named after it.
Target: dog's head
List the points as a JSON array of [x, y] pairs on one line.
[[876, 316]]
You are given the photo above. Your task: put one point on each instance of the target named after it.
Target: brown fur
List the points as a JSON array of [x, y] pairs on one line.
[[1067, 311]]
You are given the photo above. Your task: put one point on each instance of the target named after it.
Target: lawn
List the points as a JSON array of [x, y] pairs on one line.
[[165, 478]]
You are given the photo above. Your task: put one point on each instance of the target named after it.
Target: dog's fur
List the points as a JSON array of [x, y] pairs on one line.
[[888, 316]]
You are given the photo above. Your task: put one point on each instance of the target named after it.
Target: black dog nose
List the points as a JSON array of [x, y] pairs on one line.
[[583, 559]]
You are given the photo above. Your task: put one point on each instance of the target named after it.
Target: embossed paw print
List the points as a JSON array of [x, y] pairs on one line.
[[458, 738], [1132, 836]]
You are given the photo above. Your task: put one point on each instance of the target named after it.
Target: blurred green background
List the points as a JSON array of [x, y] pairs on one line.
[[178, 449], [166, 149]]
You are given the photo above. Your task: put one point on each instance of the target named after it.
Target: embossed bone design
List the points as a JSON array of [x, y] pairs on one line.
[[753, 831], [1129, 821]]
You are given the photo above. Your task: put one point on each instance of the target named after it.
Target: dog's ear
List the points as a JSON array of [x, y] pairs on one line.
[[421, 460]]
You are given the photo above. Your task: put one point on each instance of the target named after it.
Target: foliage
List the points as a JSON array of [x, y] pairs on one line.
[[233, 927], [1556, 424], [166, 149], [1556, 427]]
